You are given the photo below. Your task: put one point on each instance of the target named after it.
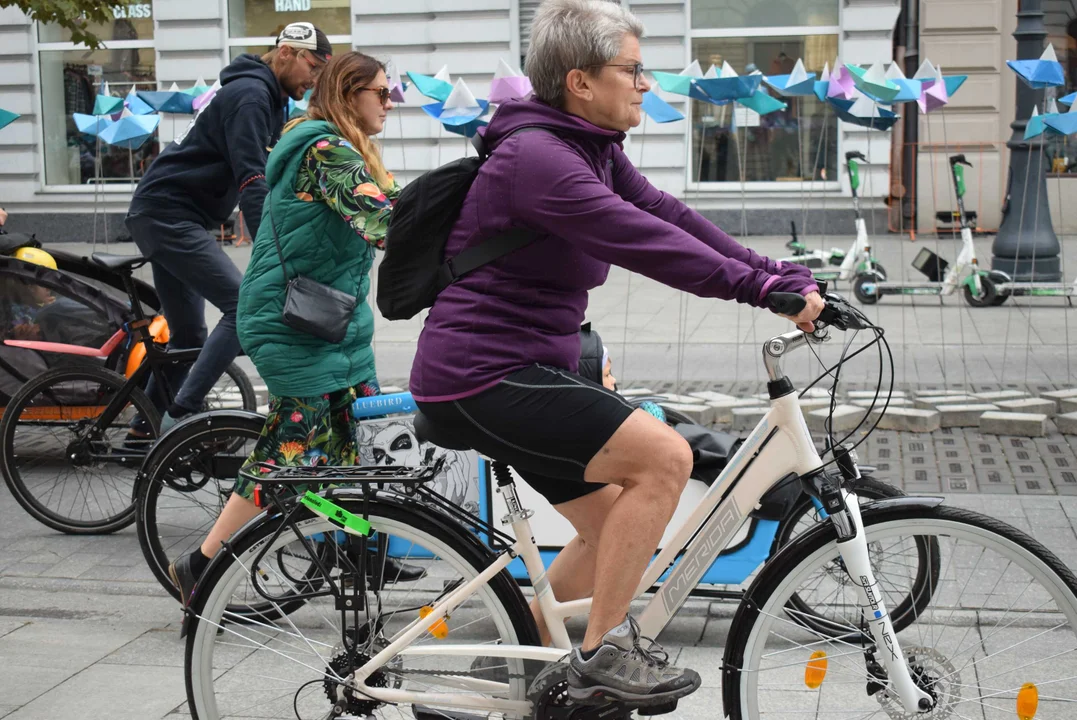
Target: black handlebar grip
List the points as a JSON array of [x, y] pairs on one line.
[[786, 303], [855, 155], [959, 159]]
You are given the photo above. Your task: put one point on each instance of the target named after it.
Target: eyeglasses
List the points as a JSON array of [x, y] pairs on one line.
[[315, 67], [383, 93], [637, 70]]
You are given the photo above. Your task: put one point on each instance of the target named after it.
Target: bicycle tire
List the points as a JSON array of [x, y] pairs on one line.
[[905, 611], [242, 382], [755, 611], [385, 511], [22, 402], [163, 458]]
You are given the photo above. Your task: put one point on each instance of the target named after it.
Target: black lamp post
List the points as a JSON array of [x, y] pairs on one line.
[[1026, 247]]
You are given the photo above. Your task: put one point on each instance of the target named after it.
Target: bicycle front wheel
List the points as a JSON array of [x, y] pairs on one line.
[[1000, 626], [281, 665], [233, 391], [63, 469]]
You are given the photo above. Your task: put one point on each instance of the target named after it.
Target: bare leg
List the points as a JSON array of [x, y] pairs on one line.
[[572, 573], [651, 463], [237, 511]]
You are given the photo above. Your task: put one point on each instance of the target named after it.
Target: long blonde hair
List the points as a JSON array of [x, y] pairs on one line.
[[331, 101]]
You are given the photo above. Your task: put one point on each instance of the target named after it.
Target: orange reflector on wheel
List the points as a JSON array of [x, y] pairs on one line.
[[439, 629], [1028, 701], [816, 670]]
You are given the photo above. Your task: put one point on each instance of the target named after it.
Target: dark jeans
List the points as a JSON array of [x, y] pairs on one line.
[[189, 268]]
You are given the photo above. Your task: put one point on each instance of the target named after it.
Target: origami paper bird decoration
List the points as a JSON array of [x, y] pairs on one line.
[[397, 87], [1043, 73], [198, 88], [1062, 123], [683, 83], [841, 84], [658, 109], [204, 99], [1068, 99], [91, 125], [105, 104], [798, 82], [728, 85], [130, 131], [863, 112], [7, 117], [821, 85], [762, 102], [461, 110], [172, 100], [1037, 124], [908, 90], [135, 104], [933, 95], [508, 83], [873, 83], [296, 108], [437, 87]]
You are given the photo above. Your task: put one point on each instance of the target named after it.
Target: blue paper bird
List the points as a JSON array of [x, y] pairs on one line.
[[658, 109], [1043, 73], [130, 131]]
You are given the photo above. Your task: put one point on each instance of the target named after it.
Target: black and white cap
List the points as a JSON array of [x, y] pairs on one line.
[[304, 36]]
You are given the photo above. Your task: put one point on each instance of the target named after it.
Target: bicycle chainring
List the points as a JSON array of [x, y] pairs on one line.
[[549, 700]]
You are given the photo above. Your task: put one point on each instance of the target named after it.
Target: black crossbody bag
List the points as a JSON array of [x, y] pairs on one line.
[[313, 307]]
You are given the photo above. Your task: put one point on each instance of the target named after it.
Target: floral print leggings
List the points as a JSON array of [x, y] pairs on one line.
[[318, 430]]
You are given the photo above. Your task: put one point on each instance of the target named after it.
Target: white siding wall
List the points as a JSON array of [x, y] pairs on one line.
[[19, 141], [469, 36]]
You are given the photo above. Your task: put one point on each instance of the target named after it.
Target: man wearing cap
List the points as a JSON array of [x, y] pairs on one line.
[[193, 187]]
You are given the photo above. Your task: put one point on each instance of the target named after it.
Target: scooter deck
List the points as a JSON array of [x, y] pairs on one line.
[[1033, 289]]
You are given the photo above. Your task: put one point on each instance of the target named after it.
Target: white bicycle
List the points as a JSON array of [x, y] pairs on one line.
[[986, 627]]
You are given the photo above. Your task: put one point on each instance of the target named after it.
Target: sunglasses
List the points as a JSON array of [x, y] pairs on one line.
[[383, 93], [315, 67]]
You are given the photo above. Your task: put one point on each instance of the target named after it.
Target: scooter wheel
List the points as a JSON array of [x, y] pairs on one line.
[[1000, 299], [866, 297], [988, 294]]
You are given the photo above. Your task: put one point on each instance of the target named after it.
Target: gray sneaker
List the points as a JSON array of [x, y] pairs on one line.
[[624, 671]]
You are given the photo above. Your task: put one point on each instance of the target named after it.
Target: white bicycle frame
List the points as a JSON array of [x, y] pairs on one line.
[[779, 445]]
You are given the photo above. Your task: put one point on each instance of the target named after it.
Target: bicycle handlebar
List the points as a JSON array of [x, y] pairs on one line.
[[837, 312]]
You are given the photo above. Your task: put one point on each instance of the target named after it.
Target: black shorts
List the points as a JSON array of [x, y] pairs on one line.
[[545, 422]]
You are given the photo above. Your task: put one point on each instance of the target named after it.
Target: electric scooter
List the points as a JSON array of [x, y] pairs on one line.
[[837, 264], [980, 287]]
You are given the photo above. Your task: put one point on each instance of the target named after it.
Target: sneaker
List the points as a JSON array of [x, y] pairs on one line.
[[624, 671], [168, 422], [183, 577]]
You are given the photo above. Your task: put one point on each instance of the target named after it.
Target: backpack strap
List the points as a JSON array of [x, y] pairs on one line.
[[493, 248]]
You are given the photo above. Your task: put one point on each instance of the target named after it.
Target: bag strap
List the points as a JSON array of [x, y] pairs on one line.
[[493, 248], [276, 239]]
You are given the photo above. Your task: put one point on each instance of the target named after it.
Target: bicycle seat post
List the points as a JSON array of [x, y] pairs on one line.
[[507, 487]]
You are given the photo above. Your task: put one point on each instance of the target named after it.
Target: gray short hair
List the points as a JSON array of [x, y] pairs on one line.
[[574, 35]]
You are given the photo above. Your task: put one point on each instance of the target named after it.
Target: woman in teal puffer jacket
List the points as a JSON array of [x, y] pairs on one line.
[[329, 202]]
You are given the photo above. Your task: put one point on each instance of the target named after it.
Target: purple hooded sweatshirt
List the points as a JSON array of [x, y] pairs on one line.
[[593, 209]]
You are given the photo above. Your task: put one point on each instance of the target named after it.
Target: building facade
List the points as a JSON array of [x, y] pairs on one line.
[[749, 173]]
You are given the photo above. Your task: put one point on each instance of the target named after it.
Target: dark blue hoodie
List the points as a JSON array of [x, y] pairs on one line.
[[198, 176]]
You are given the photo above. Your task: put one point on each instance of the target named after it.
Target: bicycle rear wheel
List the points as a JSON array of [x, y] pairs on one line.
[[185, 482], [293, 665], [62, 470], [1002, 616]]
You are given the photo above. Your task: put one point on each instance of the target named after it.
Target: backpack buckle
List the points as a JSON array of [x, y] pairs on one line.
[[446, 274]]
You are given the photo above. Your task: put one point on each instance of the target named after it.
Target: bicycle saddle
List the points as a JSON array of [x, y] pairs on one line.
[[118, 262], [427, 432]]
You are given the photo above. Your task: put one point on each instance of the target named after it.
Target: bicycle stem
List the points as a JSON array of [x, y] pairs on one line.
[[854, 553]]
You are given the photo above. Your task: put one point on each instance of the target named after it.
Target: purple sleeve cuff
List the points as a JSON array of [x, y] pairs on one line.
[[766, 286]]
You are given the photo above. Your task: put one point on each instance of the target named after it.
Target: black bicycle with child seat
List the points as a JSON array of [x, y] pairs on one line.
[[73, 438]]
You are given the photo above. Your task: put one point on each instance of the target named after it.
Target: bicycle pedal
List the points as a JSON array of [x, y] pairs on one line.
[[662, 709]]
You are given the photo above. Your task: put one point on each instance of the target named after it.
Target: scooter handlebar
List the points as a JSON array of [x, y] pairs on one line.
[[855, 155], [959, 160]]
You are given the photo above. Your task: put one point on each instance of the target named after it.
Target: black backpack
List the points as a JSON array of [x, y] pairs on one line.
[[414, 269]]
